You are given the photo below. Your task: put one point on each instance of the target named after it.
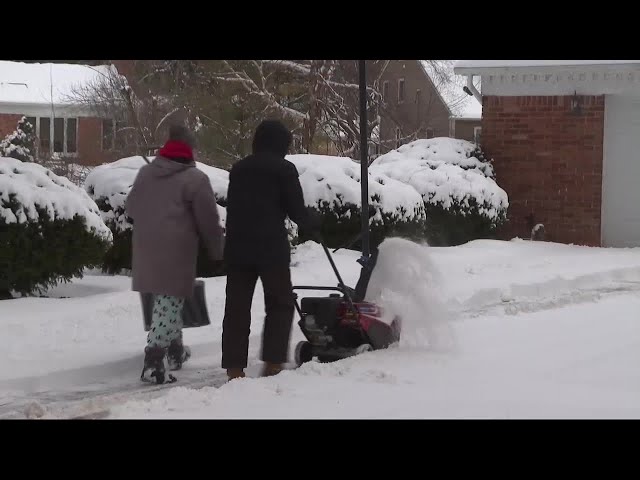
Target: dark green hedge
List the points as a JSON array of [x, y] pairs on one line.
[[340, 226], [37, 255], [456, 226]]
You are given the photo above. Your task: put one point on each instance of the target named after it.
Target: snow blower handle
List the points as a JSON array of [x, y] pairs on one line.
[[343, 288]]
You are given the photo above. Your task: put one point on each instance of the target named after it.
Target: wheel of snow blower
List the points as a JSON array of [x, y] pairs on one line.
[[303, 353], [365, 347]]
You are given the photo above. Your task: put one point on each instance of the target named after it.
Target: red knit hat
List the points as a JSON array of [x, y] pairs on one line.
[[180, 143]]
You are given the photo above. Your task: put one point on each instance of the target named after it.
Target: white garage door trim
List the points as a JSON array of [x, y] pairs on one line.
[[620, 208]]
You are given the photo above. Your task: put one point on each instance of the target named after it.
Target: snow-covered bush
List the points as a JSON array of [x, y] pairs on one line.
[[457, 183], [331, 185], [67, 168], [21, 143], [109, 184], [50, 229]]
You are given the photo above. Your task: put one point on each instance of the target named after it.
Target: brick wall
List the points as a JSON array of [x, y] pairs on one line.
[[8, 123], [89, 139], [549, 161], [90, 143]]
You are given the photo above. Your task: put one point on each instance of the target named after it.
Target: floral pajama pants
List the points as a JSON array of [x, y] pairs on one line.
[[166, 322]]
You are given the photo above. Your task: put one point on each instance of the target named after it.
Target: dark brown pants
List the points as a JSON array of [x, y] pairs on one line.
[[279, 307]]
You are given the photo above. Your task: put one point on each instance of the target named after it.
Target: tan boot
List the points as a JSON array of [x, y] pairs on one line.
[[271, 369], [233, 373]]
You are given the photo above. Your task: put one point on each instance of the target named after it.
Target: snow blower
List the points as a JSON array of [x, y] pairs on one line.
[[343, 324]]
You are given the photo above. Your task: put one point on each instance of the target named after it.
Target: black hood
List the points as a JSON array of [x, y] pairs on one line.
[[272, 136]]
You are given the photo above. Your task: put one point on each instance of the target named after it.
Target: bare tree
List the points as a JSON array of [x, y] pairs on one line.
[[448, 84], [225, 100]]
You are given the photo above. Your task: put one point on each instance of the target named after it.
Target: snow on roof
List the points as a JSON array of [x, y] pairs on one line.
[[429, 74], [468, 64], [459, 104], [472, 109], [37, 83]]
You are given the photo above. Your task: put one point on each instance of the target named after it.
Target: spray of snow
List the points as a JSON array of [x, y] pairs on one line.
[[407, 284]]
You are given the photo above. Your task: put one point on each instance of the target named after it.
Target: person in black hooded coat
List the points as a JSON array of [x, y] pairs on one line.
[[264, 190]]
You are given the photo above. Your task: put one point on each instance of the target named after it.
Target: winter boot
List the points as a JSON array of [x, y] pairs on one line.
[[271, 369], [177, 355], [233, 373], [154, 369]]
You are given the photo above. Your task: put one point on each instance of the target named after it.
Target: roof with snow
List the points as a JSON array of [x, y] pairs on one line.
[[45, 83], [468, 109], [433, 83], [472, 110]]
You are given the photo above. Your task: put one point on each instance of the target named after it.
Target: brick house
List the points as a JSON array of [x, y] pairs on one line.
[[468, 126], [414, 106], [565, 139], [44, 94]]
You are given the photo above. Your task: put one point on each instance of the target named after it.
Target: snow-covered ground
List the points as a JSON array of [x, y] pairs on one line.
[[541, 330]]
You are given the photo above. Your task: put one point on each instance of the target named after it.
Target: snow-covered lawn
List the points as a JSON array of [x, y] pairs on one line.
[[542, 330]]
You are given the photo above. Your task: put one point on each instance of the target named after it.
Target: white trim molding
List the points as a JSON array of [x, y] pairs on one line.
[[600, 79], [45, 110]]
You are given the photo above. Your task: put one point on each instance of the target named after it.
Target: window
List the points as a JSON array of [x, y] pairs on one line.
[[430, 132], [124, 137], [385, 91], [418, 92], [477, 134], [115, 136], [45, 135], [58, 135], [108, 134], [397, 138], [71, 131], [61, 132], [401, 90]]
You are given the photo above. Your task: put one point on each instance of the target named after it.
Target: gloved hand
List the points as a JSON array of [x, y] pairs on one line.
[[311, 229]]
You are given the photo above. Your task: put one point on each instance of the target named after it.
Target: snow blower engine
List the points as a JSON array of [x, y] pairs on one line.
[[343, 324]]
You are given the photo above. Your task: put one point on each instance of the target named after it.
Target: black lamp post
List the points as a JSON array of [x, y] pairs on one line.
[[364, 160]]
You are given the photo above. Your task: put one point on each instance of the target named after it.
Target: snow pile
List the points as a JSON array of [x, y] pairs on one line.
[[334, 183], [110, 184], [434, 152], [33, 186], [447, 174], [407, 284], [486, 273], [46, 83]]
